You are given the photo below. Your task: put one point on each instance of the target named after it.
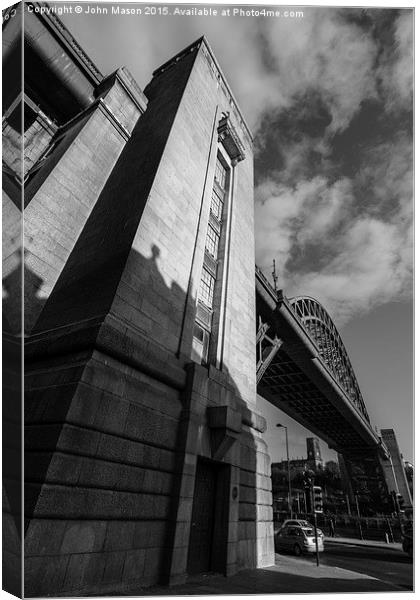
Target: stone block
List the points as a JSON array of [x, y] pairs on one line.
[[247, 478], [134, 565], [119, 535], [42, 576], [111, 447], [86, 441], [114, 567], [187, 486], [44, 536], [85, 570], [264, 497], [233, 531], [264, 513], [152, 565], [182, 534], [184, 509], [157, 482], [83, 537], [148, 534], [247, 511], [63, 469], [224, 417], [100, 474], [248, 494]]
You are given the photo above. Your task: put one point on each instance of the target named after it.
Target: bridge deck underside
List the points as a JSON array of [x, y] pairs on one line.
[[286, 386]]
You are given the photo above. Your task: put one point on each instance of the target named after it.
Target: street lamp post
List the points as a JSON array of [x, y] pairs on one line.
[[358, 515], [289, 496]]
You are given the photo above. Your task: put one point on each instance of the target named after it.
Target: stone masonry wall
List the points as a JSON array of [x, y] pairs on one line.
[[153, 293], [56, 214], [101, 434], [106, 477], [111, 478]]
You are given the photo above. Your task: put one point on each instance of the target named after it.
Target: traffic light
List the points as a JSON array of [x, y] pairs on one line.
[[318, 506], [393, 499], [400, 501], [307, 479]]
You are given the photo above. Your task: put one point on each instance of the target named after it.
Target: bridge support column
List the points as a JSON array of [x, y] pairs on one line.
[[363, 474], [345, 478], [389, 474]]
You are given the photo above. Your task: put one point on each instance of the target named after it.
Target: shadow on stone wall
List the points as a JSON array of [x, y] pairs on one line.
[[12, 456], [103, 452], [12, 418], [107, 399]]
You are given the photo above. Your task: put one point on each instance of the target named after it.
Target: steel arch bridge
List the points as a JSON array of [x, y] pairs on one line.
[[303, 368], [322, 330]]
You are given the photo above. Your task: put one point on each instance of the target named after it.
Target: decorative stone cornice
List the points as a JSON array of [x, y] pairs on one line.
[[230, 139]]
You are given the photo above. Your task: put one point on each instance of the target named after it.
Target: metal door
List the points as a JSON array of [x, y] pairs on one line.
[[202, 521]]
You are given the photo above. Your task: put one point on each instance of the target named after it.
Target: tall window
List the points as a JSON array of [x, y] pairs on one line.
[[216, 205], [220, 174], [206, 290], [204, 316], [212, 242]]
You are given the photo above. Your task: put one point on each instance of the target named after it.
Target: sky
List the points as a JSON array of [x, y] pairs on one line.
[[329, 100]]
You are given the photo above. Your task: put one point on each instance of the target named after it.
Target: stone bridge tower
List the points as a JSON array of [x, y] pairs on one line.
[[144, 454]]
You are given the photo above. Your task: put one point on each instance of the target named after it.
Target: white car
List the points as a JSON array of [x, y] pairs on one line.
[[296, 522], [300, 523], [298, 539]]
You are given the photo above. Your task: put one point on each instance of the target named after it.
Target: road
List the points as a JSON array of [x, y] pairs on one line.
[[388, 565]]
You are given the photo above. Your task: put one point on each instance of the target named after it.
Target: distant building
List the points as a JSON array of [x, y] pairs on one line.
[[312, 462], [396, 472], [333, 467], [314, 452], [409, 472]]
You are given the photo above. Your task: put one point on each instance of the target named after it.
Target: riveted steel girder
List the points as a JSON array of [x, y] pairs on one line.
[[310, 376]]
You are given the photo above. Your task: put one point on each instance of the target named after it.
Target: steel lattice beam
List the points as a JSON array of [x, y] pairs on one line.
[[309, 375]]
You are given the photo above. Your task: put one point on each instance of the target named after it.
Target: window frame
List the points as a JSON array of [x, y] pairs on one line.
[[206, 297], [219, 169], [213, 241]]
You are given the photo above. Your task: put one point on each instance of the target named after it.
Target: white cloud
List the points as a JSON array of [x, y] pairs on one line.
[[281, 59], [269, 64], [369, 269], [327, 54], [396, 67], [297, 216], [368, 245], [389, 171], [367, 240]]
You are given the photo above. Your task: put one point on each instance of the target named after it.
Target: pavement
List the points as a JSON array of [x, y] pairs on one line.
[[365, 543], [290, 575]]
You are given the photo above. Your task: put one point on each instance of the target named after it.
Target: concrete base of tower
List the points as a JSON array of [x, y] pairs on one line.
[[136, 481]]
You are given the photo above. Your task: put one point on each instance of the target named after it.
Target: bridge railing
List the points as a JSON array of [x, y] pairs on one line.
[[265, 281]]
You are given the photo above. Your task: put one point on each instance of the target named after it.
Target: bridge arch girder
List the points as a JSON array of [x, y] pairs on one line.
[[327, 339], [324, 398]]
